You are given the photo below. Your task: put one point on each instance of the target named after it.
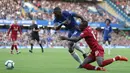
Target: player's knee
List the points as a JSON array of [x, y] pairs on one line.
[[31, 44], [70, 44], [100, 64], [71, 51]]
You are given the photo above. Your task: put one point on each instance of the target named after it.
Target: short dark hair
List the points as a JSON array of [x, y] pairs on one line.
[[57, 9], [85, 22], [108, 20]]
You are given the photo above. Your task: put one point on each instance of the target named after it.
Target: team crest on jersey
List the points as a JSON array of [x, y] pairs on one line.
[[15, 28]]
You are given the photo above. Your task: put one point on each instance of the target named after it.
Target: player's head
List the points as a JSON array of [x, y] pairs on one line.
[[15, 21], [57, 11], [33, 21], [107, 21], [83, 25]]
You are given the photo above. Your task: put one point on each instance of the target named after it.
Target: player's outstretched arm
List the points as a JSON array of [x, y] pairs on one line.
[[76, 39], [9, 30], [57, 27], [78, 16]]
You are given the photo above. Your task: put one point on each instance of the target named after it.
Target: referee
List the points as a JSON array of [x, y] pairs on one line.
[[35, 36]]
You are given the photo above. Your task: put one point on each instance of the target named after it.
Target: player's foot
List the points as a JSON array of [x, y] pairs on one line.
[[84, 55], [80, 66], [30, 51], [42, 51], [18, 52], [121, 58], [12, 53], [101, 69]]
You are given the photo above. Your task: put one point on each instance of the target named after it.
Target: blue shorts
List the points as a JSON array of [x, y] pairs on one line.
[[107, 39], [73, 33]]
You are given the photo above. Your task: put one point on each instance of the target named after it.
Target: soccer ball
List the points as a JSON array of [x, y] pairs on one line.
[[9, 64]]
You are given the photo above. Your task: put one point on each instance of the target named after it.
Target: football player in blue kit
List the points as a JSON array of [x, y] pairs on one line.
[[107, 34], [67, 19]]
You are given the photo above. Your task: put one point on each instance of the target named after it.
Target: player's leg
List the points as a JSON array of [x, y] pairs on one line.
[[80, 50], [12, 47], [16, 48], [101, 62], [40, 44], [86, 64], [13, 43], [73, 53], [109, 45], [106, 44], [31, 43], [75, 34]]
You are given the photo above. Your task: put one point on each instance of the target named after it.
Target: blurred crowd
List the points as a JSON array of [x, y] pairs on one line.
[[124, 5], [10, 9], [49, 38], [14, 9], [89, 11]]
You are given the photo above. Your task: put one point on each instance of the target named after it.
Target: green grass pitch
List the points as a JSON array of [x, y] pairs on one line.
[[57, 61]]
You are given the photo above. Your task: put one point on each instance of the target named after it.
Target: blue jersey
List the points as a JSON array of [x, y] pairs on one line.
[[107, 31], [72, 26], [67, 15]]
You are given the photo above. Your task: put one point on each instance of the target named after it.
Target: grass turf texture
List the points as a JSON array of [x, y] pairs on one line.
[[56, 61]]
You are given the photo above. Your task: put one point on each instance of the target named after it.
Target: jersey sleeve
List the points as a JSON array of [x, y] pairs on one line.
[[73, 14], [55, 21], [84, 34], [10, 29], [19, 29]]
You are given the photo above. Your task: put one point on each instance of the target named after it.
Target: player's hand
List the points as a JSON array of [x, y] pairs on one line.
[[63, 38], [20, 36], [33, 29], [67, 21]]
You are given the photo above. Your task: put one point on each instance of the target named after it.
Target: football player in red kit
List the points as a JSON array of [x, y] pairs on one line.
[[14, 28], [97, 52]]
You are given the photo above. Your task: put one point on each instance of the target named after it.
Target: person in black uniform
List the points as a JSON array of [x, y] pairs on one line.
[[35, 36]]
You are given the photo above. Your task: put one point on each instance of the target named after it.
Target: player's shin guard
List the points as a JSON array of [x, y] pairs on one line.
[[76, 57], [81, 50], [41, 48]]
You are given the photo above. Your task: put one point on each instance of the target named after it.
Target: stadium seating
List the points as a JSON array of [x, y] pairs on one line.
[[121, 7]]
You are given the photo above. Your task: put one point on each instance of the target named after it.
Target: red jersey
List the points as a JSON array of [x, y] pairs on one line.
[[14, 28], [90, 39], [95, 32]]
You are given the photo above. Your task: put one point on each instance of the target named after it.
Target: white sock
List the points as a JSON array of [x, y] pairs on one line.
[[96, 67], [76, 57], [79, 49], [114, 59], [109, 49]]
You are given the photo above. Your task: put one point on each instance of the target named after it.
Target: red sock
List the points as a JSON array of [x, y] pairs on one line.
[[107, 62], [16, 48], [12, 48], [89, 67]]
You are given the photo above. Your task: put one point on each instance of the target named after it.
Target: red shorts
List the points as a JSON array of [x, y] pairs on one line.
[[97, 53], [13, 37]]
